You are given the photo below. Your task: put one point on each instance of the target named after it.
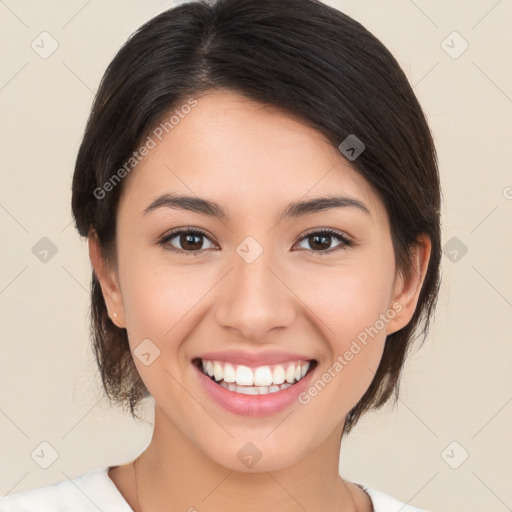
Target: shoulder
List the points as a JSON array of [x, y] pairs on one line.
[[382, 502], [87, 493]]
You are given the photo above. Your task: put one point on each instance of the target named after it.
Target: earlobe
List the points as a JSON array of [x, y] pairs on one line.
[[407, 291], [108, 281]]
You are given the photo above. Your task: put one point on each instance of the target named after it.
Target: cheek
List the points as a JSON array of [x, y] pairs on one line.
[[156, 301], [162, 301], [353, 303], [161, 305], [349, 299]]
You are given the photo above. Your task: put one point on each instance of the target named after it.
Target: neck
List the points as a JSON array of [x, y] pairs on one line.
[[173, 474]]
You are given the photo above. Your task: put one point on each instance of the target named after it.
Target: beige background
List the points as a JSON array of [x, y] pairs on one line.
[[457, 388]]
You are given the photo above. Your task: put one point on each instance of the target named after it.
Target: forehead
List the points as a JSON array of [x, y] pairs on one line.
[[244, 155]]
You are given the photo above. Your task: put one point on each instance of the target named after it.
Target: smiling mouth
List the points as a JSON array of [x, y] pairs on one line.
[[260, 380]]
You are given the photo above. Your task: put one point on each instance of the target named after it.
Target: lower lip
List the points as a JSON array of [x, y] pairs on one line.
[[253, 405]]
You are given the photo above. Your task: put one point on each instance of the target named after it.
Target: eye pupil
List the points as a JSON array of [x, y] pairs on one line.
[[185, 238], [323, 245]]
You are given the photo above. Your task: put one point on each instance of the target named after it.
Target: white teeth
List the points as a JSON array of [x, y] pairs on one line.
[[290, 373], [263, 378], [278, 375], [229, 373], [253, 390], [244, 376], [217, 370], [248, 390]]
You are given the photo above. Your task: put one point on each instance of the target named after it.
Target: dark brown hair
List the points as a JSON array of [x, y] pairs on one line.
[[307, 58]]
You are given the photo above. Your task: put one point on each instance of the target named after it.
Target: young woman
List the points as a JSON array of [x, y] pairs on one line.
[[259, 189]]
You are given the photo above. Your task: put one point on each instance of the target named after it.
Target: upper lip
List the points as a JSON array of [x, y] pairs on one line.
[[241, 357]]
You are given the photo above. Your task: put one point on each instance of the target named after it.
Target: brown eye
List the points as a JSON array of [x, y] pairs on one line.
[[189, 241], [320, 241]]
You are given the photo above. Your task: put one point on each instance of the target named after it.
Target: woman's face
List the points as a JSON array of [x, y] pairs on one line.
[[267, 285]]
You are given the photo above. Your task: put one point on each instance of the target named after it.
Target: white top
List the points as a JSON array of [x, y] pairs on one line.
[[95, 491]]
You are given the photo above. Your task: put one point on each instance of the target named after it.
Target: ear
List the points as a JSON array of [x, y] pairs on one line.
[[109, 282], [407, 292]]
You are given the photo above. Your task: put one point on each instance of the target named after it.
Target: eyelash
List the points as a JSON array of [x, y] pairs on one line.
[[341, 237]]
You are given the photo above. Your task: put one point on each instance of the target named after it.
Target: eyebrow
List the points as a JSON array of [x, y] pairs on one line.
[[293, 210]]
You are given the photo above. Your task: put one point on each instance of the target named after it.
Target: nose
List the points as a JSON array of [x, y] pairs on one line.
[[255, 298]]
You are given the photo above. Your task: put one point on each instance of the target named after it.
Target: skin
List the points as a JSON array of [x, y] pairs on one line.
[[244, 155]]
